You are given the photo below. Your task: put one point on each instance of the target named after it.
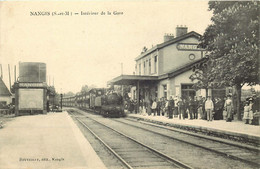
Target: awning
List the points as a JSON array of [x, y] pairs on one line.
[[131, 79]]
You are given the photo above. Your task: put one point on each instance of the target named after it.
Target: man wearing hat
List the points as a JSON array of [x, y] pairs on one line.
[[209, 107], [171, 107]]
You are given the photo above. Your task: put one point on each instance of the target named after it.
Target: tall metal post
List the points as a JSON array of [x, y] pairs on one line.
[[9, 76]]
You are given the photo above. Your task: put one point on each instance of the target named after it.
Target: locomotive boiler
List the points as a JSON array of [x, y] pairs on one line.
[[112, 105]]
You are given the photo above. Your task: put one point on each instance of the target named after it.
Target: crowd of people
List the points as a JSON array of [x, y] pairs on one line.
[[194, 108]]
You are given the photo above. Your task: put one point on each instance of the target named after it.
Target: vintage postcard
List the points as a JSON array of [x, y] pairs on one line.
[[129, 84]]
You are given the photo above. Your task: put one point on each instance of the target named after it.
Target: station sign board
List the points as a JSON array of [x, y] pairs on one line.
[[32, 85], [189, 47]]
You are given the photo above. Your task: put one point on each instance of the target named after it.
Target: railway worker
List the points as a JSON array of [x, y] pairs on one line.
[[194, 108], [171, 106], [182, 108], [209, 107], [228, 107]]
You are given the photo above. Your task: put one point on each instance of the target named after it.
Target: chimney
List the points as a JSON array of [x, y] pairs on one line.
[[181, 30], [168, 37]]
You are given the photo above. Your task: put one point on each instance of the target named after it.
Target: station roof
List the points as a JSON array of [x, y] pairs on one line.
[[131, 79], [3, 89]]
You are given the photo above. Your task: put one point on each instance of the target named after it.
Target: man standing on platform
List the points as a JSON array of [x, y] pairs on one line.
[[154, 107], [171, 107], [209, 107], [190, 107], [195, 108]]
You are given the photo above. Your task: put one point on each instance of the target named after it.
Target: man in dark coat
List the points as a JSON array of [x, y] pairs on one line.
[[190, 106], [171, 107], [182, 108], [195, 108]]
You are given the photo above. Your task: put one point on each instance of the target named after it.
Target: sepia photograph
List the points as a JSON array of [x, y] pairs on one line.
[[149, 84]]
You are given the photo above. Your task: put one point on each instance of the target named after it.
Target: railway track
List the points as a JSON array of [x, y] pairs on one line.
[[245, 154], [132, 153]]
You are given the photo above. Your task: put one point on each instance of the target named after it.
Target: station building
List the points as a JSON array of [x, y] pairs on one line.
[[165, 69]]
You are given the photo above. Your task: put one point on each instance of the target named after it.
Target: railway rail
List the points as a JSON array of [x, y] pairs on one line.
[[246, 154], [127, 149]]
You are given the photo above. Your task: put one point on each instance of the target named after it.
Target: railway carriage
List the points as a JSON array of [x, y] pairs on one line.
[[107, 104]]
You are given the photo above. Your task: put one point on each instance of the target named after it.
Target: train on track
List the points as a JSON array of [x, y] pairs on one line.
[[102, 101]]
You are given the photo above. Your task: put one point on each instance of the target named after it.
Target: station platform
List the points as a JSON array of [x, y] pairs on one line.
[[51, 141], [235, 129]]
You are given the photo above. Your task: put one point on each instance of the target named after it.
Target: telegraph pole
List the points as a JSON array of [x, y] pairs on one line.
[[9, 76]]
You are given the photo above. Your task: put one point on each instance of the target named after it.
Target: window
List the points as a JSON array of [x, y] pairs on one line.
[[140, 69], [155, 64], [187, 91], [149, 66], [156, 92], [144, 67], [165, 91]]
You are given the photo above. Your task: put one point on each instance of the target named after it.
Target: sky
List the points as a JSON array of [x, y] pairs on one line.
[[89, 49]]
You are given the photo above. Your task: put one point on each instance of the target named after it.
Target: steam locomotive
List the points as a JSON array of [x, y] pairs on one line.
[[102, 101]]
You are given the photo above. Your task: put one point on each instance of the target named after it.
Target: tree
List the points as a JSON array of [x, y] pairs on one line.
[[86, 88], [69, 94], [233, 43]]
